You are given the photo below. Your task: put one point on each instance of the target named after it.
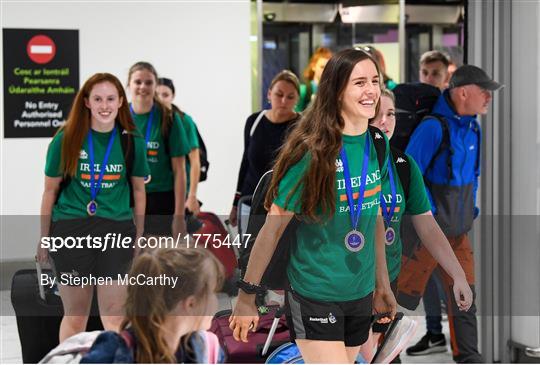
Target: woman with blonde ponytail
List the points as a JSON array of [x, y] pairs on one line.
[[165, 323]]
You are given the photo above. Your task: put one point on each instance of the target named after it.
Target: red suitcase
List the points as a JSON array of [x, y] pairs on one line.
[[220, 242]]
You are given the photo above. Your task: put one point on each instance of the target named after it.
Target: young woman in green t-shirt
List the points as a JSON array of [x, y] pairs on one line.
[[87, 200], [328, 175], [167, 145], [416, 205], [166, 93]]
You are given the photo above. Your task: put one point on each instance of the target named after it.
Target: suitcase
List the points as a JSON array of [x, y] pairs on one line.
[[38, 313], [252, 351], [220, 243]]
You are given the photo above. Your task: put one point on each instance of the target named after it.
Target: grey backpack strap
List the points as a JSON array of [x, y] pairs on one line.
[[256, 122]]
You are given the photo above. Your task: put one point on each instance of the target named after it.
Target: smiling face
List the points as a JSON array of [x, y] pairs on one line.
[[359, 99], [386, 118], [142, 86], [103, 102]]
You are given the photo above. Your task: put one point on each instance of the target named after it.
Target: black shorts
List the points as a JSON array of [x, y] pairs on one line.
[[159, 213], [383, 327], [92, 261], [310, 319]]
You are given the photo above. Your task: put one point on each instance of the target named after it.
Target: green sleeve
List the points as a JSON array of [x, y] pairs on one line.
[[178, 140], [191, 131], [140, 162], [54, 155], [289, 181], [417, 201], [302, 103]]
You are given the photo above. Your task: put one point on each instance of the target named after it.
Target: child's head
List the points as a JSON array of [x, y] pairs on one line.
[[191, 302]]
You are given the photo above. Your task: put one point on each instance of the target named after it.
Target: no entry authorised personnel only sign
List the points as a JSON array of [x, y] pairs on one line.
[[41, 78]]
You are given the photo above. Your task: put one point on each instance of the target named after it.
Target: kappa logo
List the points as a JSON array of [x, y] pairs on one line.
[[83, 155], [339, 165], [377, 135], [331, 318], [400, 160]]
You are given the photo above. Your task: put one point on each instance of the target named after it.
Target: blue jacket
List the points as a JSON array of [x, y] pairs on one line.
[[111, 348], [453, 198]]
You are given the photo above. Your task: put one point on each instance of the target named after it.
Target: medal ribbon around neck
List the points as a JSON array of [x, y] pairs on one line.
[[355, 215], [96, 187], [147, 135], [390, 233], [389, 214]]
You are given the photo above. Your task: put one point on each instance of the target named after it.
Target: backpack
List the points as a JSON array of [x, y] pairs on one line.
[[414, 101], [275, 275], [126, 141], [203, 156]]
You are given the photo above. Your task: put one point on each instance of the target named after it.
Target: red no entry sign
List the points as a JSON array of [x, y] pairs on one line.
[[41, 49]]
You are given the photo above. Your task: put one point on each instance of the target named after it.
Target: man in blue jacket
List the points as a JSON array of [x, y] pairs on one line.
[[446, 148]]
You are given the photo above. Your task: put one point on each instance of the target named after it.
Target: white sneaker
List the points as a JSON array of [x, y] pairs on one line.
[[398, 339]]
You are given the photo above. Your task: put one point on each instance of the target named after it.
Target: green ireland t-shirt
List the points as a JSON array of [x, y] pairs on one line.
[[113, 197], [159, 161], [417, 203], [193, 140], [321, 267]]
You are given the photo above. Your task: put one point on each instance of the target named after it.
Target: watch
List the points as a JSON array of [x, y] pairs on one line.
[[250, 288]]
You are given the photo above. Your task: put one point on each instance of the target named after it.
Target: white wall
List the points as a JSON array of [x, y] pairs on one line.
[[203, 46]]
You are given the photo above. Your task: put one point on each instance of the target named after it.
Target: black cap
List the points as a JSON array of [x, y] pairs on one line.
[[469, 74]]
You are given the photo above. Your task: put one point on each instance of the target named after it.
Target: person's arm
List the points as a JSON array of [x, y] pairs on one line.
[[139, 208], [383, 298], [192, 204], [179, 173], [438, 246], [245, 316], [244, 166], [50, 192]]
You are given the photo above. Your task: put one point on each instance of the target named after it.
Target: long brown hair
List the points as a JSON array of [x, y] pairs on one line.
[[147, 306], [79, 121], [319, 133], [166, 120]]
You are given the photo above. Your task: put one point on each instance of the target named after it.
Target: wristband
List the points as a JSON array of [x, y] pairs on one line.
[[250, 288]]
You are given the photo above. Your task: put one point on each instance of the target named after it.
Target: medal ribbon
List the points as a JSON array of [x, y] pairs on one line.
[[393, 200], [148, 126], [96, 187], [355, 215]]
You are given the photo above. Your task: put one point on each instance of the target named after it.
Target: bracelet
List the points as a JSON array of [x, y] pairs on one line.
[[250, 288]]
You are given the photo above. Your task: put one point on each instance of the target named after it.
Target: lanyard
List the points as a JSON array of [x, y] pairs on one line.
[[393, 200], [148, 126], [355, 215], [96, 187]]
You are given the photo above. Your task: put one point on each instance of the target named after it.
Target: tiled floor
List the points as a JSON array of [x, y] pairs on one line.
[[10, 348]]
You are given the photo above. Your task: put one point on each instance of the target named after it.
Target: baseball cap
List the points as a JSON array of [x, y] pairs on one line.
[[469, 74]]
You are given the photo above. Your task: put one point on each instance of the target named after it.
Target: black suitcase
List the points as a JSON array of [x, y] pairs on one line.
[[38, 319]]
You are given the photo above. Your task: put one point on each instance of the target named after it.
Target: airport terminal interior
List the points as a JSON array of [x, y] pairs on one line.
[[222, 56]]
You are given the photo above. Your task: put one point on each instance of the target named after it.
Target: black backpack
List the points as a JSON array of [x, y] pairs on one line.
[[414, 101], [275, 275], [203, 156]]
